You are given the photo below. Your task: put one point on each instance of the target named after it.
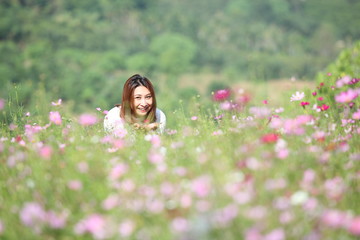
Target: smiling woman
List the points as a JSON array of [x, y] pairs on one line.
[[138, 108]]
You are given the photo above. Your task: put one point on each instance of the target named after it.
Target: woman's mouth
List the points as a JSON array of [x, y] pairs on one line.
[[143, 109]]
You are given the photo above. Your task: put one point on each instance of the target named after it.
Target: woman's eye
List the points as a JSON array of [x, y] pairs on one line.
[[138, 98], [148, 97]]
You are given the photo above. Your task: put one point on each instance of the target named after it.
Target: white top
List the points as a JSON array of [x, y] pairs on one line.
[[113, 122]]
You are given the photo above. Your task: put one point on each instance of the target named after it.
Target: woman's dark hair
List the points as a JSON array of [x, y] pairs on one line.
[[127, 105]]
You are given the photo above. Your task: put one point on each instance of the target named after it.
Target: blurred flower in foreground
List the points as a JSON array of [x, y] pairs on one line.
[[297, 96], [347, 96], [55, 117], [93, 224], [126, 228], [356, 115], [270, 138], [58, 103], [2, 103], [32, 215], [354, 227], [323, 107], [1, 227], [221, 95], [87, 119]]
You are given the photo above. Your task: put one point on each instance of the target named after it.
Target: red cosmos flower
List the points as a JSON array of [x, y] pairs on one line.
[[270, 138], [221, 95], [320, 98], [324, 107], [303, 104]]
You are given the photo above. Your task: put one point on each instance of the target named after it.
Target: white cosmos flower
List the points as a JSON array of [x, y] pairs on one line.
[[297, 96]]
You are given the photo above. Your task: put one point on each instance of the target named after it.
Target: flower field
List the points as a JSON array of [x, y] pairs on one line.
[[228, 169]]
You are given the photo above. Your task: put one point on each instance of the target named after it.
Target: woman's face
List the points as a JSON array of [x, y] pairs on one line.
[[142, 101]]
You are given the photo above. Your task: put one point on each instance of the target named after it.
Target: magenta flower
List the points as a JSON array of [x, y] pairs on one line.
[[303, 104], [314, 93], [55, 117], [323, 107], [347, 96], [221, 95], [87, 119]]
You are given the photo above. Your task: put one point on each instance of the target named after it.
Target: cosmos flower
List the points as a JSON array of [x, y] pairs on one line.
[[297, 96], [347, 96], [87, 119], [221, 95], [55, 117]]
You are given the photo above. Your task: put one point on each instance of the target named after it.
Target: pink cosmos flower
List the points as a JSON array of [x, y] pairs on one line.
[[32, 214], [314, 93], [126, 228], [94, 224], [276, 234], [1, 227], [265, 101], [87, 119], [55, 117], [253, 234], [45, 152], [320, 98], [221, 95], [354, 227], [2, 104], [333, 218], [343, 81], [118, 170], [56, 220], [201, 186], [194, 118], [356, 115], [110, 202], [75, 185], [179, 224], [347, 96]]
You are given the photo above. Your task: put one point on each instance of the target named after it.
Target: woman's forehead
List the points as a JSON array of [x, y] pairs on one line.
[[141, 90]]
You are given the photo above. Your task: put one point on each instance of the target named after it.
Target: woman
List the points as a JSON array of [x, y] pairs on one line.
[[138, 108]]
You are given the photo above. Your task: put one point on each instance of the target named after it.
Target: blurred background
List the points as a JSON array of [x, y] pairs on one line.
[[84, 50]]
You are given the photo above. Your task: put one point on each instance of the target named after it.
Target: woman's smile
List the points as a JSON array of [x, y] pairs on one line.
[[142, 101]]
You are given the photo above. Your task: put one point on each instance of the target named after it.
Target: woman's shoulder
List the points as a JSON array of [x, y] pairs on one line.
[[113, 113], [160, 115]]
